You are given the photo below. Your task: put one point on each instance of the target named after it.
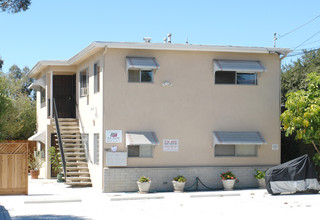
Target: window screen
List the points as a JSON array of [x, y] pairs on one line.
[[133, 151], [134, 75], [224, 150], [246, 150], [235, 150], [225, 77]]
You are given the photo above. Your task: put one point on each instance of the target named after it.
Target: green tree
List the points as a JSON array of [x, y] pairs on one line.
[[294, 75], [302, 117], [14, 6], [18, 117]]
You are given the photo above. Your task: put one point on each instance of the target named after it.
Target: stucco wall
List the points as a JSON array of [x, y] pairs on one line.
[[193, 107]]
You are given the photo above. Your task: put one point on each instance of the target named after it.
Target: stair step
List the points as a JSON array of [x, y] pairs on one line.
[[81, 178], [77, 136], [77, 168], [75, 158], [70, 164], [80, 174], [65, 140], [68, 127], [67, 132], [70, 154], [73, 149], [71, 145], [78, 183], [67, 123], [67, 119]]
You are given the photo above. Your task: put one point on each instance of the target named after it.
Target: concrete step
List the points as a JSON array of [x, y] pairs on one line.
[[74, 169], [71, 145], [81, 178], [74, 154], [68, 128], [78, 174], [75, 158], [69, 136], [78, 183], [73, 149], [78, 164]]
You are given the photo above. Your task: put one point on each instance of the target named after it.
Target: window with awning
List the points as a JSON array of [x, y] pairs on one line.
[[237, 143], [237, 71], [141, 144], [141, 69]]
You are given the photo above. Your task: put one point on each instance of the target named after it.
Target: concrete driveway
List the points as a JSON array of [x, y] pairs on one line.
[[49, 200]]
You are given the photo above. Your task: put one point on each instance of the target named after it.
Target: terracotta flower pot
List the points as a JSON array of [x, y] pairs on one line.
[[34, 174], [228, 184]]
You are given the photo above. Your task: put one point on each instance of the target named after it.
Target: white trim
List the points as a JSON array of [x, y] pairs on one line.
[[91, 48]]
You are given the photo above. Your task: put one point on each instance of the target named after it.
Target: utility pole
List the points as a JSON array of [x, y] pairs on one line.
[[274, 39]]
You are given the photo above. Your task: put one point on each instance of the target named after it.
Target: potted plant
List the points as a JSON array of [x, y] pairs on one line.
[[178, 183], [228, 180], [260, 176], [35, 162], [55, 161], [144, 184]]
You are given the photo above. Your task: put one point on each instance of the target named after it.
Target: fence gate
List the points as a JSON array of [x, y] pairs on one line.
[[13, 168]]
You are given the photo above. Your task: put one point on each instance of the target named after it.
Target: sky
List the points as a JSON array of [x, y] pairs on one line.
[[58, 29]]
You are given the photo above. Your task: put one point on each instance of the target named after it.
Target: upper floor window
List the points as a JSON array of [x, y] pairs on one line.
[[141, 69], [42, 96], [84, 82], [243, 72], [140, 75], [232, 77], [96, 75]]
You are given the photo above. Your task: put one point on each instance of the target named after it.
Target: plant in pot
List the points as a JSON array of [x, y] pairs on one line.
[[228, 180], [55, 161], [144, 184], [260, 176], [179, 183], [35, 162]]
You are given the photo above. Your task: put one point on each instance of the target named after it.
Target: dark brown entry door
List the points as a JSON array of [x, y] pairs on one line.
[[64, 93]]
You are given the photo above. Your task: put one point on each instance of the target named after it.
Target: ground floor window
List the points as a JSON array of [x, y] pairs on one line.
[[236, 151], [140, 150]]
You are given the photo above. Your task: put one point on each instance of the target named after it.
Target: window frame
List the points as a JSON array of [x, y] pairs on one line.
[[96, 76], [236, 73], [235, 151], [86, 84], [140, 70], [140, 155]]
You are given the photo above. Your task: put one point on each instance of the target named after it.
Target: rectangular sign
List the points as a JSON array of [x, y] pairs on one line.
[[113, 136], [170, 145], [116, 159]]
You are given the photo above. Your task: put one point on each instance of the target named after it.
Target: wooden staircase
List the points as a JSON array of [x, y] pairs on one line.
[[74, 151]]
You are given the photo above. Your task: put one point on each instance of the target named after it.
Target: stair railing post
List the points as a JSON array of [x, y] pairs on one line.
[[55, 114]]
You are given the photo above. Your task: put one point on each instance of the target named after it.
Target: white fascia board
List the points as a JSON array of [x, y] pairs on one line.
[[153, 46]]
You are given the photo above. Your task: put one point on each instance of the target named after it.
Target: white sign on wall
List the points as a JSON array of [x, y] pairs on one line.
[[113, 136], [170, 145], [116, 159]]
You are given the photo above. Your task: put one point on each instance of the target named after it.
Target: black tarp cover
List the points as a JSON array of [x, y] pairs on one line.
[[293, 176]]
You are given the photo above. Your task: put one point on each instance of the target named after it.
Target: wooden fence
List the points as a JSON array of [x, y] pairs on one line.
[[13, 168]]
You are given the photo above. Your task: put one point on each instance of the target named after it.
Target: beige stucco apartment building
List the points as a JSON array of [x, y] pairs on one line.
[[163, 110]]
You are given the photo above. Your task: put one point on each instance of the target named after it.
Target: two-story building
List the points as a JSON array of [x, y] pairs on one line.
[[160, 110]]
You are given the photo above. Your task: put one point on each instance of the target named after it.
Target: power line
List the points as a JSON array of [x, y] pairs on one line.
[[298, 27], [306, 40]]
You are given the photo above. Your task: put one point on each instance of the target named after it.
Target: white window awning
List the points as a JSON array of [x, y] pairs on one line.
[[39, 136], [39, 83], [142, 63], [237, 138], [247, 66], [141, 138]]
